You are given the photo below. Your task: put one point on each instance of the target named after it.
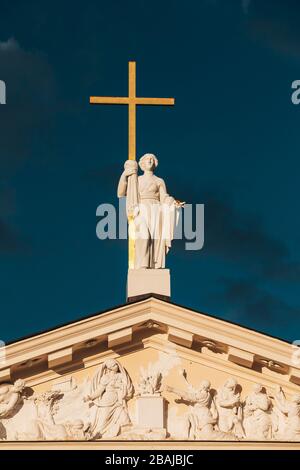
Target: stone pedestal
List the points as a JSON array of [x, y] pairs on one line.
[[148, 281], [151, 412]]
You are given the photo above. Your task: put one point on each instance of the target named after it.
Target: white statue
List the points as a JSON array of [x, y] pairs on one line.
[[229, 409], [152, 210], [200, 420], [30, 418], [97, 408], [257, 418], [111, 388], [26, 418], [10, 398], [47, 428], [40, 424], [286, 416]]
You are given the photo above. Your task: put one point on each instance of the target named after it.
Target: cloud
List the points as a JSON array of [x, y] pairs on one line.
[[276, 25], [243, 239], [246, 302], [238, 237], [10, 45], [277, 35], [239, 240]]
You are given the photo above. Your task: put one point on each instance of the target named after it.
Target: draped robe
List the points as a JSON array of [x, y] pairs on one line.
[[155, 216]]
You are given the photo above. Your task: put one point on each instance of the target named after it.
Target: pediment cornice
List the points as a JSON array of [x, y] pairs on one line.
[[183, 326]]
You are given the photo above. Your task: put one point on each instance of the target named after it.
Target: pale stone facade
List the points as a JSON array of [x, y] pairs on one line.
[[150, 370]]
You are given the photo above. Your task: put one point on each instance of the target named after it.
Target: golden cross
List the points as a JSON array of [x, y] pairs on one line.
[[132, 101]]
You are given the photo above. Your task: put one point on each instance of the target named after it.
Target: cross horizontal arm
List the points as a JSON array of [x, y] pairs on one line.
[[161, 101], [108, 100], [126, 100]]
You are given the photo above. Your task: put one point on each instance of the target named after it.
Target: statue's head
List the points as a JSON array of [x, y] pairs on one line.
[[257, 388], [205, 385], [19, 385], [111, 364], [231, 383], [148, 162]]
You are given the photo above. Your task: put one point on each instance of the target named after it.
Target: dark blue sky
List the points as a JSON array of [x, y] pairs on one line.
[[231, 142]]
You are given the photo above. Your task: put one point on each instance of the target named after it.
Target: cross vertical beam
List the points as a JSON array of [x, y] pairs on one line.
[[132, 111]]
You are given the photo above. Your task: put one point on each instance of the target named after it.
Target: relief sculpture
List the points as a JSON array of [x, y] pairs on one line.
[[98, 408]]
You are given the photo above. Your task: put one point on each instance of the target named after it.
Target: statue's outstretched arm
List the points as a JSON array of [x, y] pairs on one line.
[[281, 402], [185, 395]]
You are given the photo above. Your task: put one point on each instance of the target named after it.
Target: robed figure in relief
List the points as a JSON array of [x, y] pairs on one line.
[[111, 388]]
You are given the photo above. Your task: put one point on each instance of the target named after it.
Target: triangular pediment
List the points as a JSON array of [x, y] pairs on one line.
[[184, 345], [120, 326]]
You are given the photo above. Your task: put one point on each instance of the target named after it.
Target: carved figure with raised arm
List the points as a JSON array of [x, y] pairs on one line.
[[202, 416]]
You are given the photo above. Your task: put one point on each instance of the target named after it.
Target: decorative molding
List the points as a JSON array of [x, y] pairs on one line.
[[163, 313], [119, 337], [184, 338], [60, 357], [5, 375], [294, 376], [115, 445], [219, 362], [238, 356]]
